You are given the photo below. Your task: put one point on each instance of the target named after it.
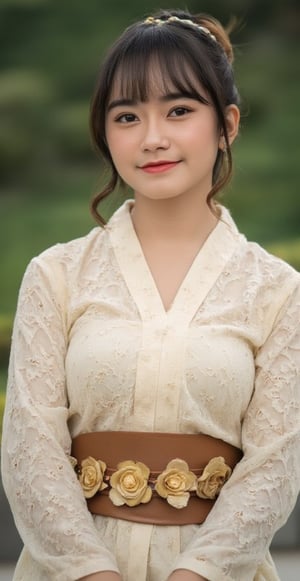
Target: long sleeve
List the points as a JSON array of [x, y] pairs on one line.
[[45, 497], [263, 488], [93, 349]]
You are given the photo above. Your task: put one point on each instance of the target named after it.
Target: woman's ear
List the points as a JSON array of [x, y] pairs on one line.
[[232, 116]]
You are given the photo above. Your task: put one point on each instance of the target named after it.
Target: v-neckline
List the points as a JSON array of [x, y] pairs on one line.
[[200, 277]]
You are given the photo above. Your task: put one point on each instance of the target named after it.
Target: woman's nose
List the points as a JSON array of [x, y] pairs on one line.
[[154, 137]]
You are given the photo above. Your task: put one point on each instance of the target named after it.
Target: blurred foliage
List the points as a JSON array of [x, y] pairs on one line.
[[6, 323], [288, 251], [50, 53], [2, 403]]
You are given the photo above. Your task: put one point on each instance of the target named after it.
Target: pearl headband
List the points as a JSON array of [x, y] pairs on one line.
[[159, 22]]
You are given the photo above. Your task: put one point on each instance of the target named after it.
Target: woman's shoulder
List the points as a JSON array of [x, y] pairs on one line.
[[267, 265], [84, 247], [73, 250], [272, 283], [254, 262], [269, 285], [64, 260]]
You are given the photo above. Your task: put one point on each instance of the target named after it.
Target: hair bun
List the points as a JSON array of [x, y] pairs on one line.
[[221, 35]]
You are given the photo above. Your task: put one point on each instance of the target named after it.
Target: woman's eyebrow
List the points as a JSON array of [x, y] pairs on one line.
[[184, 95], [121, 103], [175, 96]]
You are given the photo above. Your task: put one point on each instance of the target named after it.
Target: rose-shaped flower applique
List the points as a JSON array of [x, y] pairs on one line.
[[212, 479], [129, 484], [91, 476], [175, 483]]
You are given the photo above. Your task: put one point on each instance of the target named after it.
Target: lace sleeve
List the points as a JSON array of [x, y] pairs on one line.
[[45, 497], [263, 489]]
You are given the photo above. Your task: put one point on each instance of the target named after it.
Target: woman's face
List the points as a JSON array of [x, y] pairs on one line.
[[163, 147]]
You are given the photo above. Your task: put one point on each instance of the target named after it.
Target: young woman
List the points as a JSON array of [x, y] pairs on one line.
[[152, 423]]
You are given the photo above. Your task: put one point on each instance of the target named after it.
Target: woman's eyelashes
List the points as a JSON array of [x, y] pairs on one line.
[[178, 111], [126, 118]]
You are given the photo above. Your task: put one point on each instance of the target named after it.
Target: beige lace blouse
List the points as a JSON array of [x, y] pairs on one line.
[[94, 349]]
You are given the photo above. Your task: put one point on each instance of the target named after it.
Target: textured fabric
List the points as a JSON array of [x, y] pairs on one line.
[[94, 349]]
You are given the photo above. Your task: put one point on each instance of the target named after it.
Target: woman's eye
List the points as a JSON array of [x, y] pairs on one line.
[[126, 118], [179, 111]]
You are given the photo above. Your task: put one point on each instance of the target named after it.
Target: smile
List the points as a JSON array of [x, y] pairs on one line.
[[159, 167]]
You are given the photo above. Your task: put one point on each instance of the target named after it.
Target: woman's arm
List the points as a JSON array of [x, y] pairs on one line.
[[46, 499], [185, 575], [102, 576], [179, 575], [262, 491]]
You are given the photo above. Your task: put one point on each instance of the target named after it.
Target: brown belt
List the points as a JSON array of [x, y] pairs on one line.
[[155, 450]]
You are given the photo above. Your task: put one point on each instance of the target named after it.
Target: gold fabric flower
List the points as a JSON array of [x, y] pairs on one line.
[[175, 483], [129, 484], [214, 476], [91, 476]]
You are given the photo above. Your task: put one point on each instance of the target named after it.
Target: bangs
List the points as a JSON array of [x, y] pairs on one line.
[[150, 61], [157, 62]]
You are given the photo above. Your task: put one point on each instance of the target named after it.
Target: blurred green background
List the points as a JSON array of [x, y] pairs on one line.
[[50, 54]]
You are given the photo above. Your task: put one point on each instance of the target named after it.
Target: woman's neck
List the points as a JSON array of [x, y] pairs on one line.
[[173, 219]]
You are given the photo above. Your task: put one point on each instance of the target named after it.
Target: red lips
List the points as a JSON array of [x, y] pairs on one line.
[[159, 166]]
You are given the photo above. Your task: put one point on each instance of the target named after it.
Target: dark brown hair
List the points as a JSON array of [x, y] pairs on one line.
[[186, 57]]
